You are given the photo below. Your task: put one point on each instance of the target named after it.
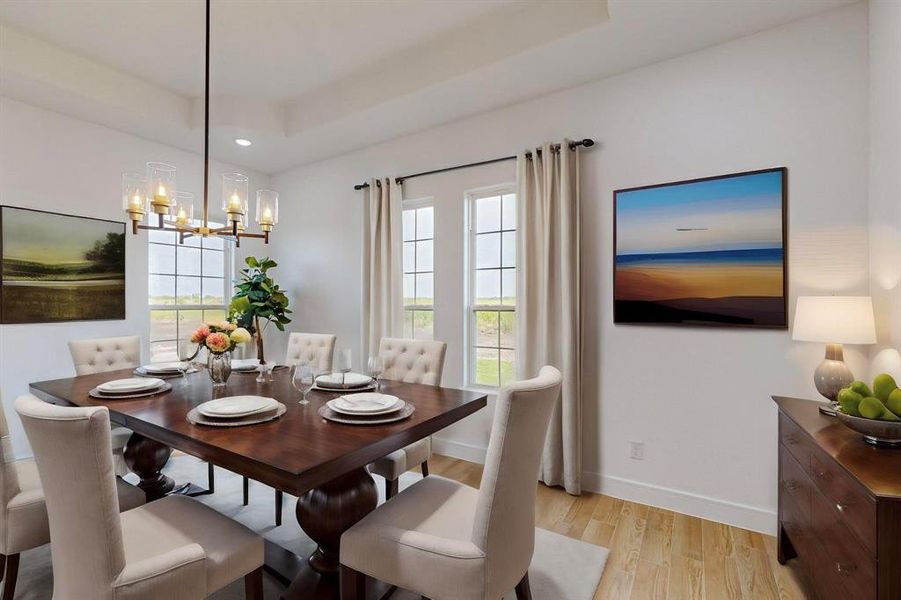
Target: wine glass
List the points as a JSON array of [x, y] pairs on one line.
[[376, 368], [302, 379], [344, 362], [186, 348]]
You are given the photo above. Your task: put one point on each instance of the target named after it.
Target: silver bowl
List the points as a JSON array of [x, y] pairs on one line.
[[878, 433]]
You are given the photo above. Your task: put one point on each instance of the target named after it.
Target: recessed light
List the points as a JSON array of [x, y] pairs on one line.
[[243, 142]]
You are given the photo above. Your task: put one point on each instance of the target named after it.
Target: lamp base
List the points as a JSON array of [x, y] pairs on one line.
[[833, 374]]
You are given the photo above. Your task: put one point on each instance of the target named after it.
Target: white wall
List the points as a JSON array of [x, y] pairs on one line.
[[699, 398], [58, 163], [885, 182]]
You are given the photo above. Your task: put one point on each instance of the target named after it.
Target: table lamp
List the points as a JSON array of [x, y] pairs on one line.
[[834, 320]]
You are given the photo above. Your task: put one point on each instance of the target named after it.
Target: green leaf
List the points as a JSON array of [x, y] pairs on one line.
[[251, 261], [279, 326]]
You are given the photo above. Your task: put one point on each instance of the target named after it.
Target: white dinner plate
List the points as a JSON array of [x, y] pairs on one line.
[[369, 403], [245, 364], [166, 368], [237, 406], [351, 380], [130, 385]]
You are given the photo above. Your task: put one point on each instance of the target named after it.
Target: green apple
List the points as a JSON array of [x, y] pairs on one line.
[[850, 402], [871, 408], [888, 415], [894, 402], [861, 388], [884, 385]]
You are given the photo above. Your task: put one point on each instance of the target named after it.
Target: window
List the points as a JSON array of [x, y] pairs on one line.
[[419, 273], [187, 286], [492, 287]]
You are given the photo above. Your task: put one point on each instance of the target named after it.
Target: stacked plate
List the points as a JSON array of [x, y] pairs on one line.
[[133, 387], [366, 409], [168, 369], [245, 365], [237, 410], [345, 381]]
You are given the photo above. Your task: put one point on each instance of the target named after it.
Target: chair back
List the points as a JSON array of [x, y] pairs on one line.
[[105, 354], [9, 479], [413, 361], [504, 525], [72, 451], [315, 349]]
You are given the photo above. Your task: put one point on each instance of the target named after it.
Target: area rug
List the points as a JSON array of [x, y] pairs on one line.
[[562, 568]]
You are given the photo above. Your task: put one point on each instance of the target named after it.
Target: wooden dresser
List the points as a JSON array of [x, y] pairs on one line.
[[839, 505]]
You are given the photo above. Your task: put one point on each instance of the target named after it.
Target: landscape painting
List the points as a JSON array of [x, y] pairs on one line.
[[59, 267], [702, 252]]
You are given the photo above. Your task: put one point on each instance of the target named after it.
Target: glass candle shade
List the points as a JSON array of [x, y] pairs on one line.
[[182, 214], [234, 196], [161, 186], [267, 209], [134, 195]]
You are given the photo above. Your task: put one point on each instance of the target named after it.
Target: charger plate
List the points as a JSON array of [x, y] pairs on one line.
[[372, 386], [328, 414], [195, 418], [95, 393], [140, 372]]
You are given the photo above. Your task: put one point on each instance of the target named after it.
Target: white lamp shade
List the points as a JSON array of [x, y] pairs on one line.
[[834, 320]]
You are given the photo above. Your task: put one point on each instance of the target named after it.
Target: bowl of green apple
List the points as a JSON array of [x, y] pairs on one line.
[[873, 412]]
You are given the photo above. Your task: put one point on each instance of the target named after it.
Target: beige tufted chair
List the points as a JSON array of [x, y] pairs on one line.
[[410, 361], [23, 512], [314, 349], [174, 547], [448, 541], [108, 354]]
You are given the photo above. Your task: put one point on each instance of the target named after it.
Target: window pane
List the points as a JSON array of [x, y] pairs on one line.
[[213, 242], [508, 366], [161, 237], [508, 249], [192, 242], [508, 286], [509, 211], [161, 289], [162, 325], [213, 263], [486, 367], [508, 336], [161, 258], [409, 228], [488, 214], [409, 257], [488, 286], [424, 256], [486, 328], [163, 351], [213, 291], [188, 321], [213, 315], [423, 321], [188, 261], [425, 223], [425, 293], [409, 293], [408, 323], [188, 290], [488, 250]]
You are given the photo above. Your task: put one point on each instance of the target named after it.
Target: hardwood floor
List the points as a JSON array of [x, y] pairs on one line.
[[657, 554]]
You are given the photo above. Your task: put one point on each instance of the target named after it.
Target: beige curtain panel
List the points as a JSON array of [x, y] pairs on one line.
[[383, 303], [548, 320]]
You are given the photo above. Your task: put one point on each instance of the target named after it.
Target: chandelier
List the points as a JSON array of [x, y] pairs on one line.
[[156, 193]]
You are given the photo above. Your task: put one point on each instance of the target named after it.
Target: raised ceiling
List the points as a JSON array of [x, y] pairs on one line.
[[306, 80]]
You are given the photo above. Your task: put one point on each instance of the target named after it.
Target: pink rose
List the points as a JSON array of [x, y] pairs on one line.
[[200, 335], [218, 342]]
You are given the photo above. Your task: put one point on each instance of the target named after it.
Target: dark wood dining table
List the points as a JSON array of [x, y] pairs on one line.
[[321, 462]]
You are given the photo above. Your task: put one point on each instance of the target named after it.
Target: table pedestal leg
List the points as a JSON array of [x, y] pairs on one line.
[[146, 458], [326, 512]]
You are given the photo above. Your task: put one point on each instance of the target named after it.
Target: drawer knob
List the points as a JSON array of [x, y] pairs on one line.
[[843, 569], [840, 507], [790, 485]]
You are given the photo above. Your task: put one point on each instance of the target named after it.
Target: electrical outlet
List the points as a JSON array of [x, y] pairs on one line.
[[636, 450]]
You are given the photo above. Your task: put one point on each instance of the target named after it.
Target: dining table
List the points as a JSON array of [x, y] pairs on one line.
[[323, 463]]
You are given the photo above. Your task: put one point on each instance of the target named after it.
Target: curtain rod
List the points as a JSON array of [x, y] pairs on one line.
[[587, 142]]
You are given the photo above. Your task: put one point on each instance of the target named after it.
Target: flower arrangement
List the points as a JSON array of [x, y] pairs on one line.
[[219, 338]]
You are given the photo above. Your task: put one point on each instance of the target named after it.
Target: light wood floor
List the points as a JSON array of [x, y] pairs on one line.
[[655, 553]]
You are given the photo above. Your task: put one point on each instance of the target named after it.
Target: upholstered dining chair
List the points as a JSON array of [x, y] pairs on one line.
[[316, 350], [174, 547], [23, 511], [410, 361], [446, 540]]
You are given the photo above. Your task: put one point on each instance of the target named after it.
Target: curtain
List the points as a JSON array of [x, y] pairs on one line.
[[383, 304], [548, 319]]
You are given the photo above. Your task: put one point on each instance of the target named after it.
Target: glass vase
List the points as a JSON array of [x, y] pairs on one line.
[[219, 366]]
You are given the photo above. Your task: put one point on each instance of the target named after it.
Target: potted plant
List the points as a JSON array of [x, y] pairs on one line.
[[259, 301], [219, 339]]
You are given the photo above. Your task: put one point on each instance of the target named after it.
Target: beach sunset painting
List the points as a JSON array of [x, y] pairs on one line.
[[702, 252]]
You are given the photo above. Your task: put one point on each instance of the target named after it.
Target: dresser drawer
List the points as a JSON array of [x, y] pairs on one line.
[[842, 559], [851, 504], [795, 485], [796, 441]]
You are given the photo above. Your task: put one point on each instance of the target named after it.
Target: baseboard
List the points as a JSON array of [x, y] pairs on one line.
[[696, 505], [468, 452]]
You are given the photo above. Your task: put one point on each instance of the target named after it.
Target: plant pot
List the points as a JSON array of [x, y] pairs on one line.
[[219, 366]]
